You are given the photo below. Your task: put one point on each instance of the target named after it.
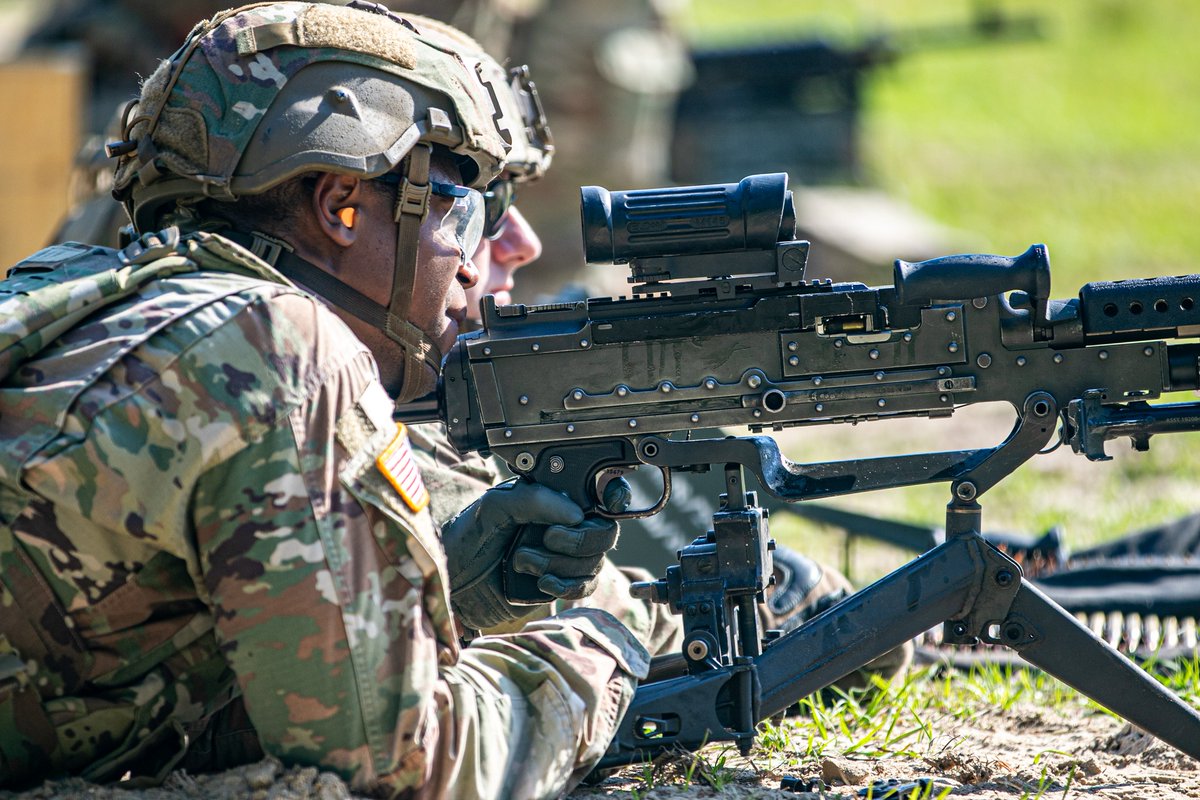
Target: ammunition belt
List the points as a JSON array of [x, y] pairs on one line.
[[1142, 637]]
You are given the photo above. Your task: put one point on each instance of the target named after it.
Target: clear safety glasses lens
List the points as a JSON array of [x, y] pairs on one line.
[[465, 219]]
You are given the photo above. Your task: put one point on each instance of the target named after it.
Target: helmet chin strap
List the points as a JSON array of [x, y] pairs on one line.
[[422, 356]]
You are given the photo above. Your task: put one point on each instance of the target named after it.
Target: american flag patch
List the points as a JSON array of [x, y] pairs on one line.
[[397, 464]]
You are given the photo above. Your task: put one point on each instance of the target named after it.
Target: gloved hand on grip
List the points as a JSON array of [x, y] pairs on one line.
[[569, 558], [566, 560]]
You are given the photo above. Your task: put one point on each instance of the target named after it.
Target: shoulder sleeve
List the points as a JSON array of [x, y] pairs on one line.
[[329, 593], [455, 481]]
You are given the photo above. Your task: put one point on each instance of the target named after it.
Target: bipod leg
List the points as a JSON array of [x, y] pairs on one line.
[[692, 710], [1010, 611], [1049, 638], [932, 588]]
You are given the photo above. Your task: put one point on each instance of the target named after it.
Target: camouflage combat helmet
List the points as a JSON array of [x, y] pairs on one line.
[[263, 93], [522, 122]]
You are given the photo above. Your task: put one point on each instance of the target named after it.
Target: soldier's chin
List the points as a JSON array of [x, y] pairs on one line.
[[450, 334], [503, 298]]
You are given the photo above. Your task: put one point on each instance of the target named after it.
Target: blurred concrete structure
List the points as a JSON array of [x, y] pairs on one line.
[[629, 103], [86, 58], [44, 91]]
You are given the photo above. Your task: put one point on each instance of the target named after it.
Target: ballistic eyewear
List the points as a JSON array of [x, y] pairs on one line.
[[498, 198], [464, 220]]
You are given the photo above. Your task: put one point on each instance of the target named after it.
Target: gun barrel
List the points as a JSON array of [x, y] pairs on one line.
[[1131, 310]]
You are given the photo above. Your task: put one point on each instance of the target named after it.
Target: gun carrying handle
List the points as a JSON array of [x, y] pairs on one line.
[[967, 276]]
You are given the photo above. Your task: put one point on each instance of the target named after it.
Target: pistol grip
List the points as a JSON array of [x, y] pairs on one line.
[[521, 589]]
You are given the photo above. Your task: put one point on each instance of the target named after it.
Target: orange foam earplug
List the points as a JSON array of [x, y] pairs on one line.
[[346, 215]]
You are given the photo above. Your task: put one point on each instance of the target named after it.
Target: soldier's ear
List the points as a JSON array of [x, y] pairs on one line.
[[336, 200]]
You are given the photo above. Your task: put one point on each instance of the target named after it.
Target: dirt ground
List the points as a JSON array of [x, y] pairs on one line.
[[1025, 753]]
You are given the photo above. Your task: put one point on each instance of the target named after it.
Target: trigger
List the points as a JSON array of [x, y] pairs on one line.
[[613, 498], [608, 475]]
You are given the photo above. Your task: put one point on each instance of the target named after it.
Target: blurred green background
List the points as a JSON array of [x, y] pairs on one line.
[[1087, 139]]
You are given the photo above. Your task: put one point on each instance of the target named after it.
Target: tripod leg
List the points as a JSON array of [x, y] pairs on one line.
[[964, 580], [1051, 639], [693, 710]]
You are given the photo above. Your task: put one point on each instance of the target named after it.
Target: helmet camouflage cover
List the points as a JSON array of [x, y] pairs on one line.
[[261, 94]]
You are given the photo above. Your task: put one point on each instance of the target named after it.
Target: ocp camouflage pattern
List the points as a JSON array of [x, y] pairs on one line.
[[188, 483], [241, 62]]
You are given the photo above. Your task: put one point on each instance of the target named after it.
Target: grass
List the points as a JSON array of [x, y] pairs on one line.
[[1085, 139], [906, 720], [903, 718]]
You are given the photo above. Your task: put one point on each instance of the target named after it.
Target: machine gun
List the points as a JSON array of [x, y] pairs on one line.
[[722, 331]]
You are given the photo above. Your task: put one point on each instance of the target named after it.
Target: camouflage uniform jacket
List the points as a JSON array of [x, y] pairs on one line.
[[191, 508]]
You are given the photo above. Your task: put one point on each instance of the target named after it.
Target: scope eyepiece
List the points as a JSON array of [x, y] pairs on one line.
[[754, 214]]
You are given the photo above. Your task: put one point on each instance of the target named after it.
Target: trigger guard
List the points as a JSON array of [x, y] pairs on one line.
[[602, 480]]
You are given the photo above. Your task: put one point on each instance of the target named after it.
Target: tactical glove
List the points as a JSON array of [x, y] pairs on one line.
[[556, 544]]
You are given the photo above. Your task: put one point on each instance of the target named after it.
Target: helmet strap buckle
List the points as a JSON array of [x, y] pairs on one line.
[[268, 248], [412, 198]]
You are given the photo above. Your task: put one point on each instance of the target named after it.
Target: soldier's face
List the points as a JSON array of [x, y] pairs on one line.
[[498, 260], [444, 271]]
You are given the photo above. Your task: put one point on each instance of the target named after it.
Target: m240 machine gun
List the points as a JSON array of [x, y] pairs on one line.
[[723, 331]]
